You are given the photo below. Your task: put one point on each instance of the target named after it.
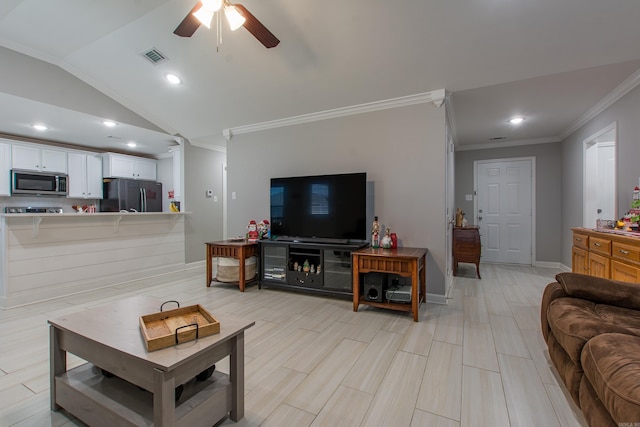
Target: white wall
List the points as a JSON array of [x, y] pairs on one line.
[[402, 150]]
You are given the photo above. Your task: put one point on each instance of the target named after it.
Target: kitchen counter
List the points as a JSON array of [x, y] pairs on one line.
[[51, 255]]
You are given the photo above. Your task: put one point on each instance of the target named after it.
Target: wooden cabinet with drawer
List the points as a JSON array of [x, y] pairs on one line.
[[580, 260], [626, 252], [610, 255], [599, 266]]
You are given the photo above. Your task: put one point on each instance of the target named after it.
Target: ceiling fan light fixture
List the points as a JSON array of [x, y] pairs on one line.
[[233, 16], [516, 120], [212, 5], [205, 16]]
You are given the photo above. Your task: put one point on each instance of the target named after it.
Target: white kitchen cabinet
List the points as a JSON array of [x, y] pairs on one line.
[[28, 157], [123, 166], [85, 176], [5, 169]]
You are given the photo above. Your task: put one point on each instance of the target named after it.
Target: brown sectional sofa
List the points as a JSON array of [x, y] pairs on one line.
[[592, 329]]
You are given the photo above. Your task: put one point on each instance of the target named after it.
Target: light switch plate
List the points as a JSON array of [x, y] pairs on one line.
[[468, 197]]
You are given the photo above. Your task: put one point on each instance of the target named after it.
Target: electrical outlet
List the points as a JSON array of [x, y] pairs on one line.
[[233, 195], [215, 198], [468, 197]]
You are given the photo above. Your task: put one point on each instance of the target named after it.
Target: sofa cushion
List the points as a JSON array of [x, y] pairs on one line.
[[604, 291], [594, 411], [575, 321], [570, 373], [611, 363]]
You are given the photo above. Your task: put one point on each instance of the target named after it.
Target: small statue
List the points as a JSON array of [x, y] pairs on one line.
[[312, 270], [375, 233], [459, 217], [385, 243], [305, 266], [295, 266], [263, 229], [318, 269], [252, 234]]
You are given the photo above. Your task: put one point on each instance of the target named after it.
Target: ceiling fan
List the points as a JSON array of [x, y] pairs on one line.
[[237, 15]]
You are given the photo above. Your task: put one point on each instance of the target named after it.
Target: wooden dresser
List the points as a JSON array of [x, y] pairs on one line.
[[466, 247], [612, 255]]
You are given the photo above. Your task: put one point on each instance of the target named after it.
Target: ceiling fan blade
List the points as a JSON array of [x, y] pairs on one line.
[[189, 24], [256, 28]]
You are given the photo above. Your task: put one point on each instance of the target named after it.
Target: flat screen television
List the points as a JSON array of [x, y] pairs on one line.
[[323, 208]]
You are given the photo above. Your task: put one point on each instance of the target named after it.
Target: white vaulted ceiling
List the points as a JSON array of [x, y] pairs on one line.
[[549, 60]]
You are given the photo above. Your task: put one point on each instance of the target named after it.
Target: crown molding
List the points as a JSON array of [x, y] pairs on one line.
[[436, 96], [503, 144], [211, 147], [621, 90]]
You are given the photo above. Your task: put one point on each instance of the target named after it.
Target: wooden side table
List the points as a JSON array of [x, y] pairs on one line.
[[231, 249], [407, 262], [466, 247]]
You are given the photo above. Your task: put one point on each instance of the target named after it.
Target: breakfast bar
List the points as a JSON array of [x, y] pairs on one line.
[[50, 255]]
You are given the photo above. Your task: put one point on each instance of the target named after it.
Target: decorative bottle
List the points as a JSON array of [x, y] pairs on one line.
[[375, 233]]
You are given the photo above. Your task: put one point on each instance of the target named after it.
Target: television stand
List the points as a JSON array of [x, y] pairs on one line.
[[282, 265]]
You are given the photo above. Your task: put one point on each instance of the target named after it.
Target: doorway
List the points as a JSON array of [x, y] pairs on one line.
[[599, 174], [504, 209]]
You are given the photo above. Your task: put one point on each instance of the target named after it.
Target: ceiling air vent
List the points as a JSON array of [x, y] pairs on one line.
[[497, 138], [154, 55]]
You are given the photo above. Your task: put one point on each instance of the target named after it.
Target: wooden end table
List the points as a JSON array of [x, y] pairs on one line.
[[407, 262], [109, 337], [240, 250]]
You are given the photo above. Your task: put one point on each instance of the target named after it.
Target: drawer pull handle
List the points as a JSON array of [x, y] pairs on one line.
[[596, 244], [578, 239], [622, 251]]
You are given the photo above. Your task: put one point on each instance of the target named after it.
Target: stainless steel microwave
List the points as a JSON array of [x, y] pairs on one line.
[[38, 183]]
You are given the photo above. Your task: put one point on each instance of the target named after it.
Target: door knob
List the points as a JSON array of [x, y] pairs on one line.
[[479, 218]]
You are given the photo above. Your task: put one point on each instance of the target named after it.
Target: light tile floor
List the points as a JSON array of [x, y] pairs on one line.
[[311, 361]]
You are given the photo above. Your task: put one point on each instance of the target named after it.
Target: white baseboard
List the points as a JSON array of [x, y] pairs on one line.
[[548, 264], [437, 299]]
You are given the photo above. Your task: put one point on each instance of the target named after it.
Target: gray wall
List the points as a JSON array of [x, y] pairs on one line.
[[626, 113], [402, 150], [203, 171], [548, 190]]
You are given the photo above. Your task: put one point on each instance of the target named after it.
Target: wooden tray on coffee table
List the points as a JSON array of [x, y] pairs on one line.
[[168, 328]]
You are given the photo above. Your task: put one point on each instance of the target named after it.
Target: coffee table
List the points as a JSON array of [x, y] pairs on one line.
[[142, 390]]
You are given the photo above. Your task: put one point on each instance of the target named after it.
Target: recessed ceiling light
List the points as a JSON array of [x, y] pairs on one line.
[[131, 144], [516, 120], [173, 79], [109, 123], [39, 127]]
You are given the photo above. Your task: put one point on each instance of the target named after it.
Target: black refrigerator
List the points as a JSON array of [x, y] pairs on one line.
[[131, 195]]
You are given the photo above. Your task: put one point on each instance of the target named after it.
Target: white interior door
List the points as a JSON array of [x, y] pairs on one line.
[[504, 210]]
